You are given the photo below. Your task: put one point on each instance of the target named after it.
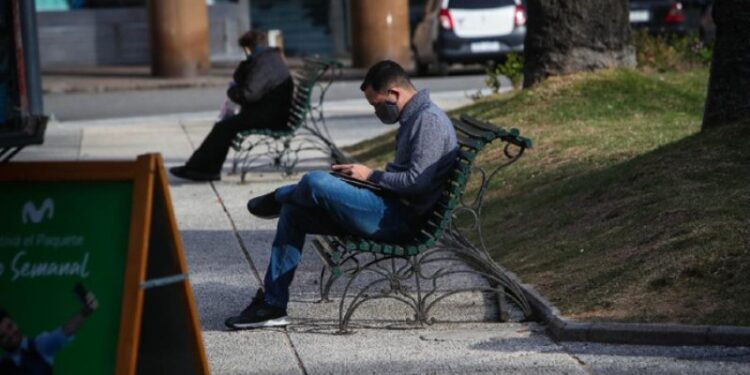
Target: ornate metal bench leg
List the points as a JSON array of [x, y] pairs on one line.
[[243, 160], [325, 285], [393, 281], [502, 305], [333, 275], [419, 316]]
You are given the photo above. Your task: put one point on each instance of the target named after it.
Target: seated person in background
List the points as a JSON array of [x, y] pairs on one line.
[[321, 203], [263, 88]]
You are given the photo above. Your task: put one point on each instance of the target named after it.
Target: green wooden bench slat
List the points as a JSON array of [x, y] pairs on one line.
[[512, 136], [398, 250], [477, 124], [387, 249], [473, 132], [468, 142], [467, 155]]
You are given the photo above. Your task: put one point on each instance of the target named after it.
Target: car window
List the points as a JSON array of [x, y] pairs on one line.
[[479, 4]]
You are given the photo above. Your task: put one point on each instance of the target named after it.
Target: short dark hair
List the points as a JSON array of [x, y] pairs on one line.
[[384, 75], [253, 38]]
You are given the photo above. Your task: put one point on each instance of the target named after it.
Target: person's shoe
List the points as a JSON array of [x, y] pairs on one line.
[[189, 174], [265, 206], [258, 314]]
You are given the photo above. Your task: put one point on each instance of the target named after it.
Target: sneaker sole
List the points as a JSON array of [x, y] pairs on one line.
[[278, 322], [269, 217]]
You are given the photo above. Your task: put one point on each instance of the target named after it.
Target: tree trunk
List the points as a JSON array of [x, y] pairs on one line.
[[728, 97], [568, 36]]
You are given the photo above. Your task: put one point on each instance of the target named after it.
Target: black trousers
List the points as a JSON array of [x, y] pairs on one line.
[[210, 156]]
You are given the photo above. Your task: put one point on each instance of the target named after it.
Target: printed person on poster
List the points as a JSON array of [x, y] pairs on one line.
[[35, 355]]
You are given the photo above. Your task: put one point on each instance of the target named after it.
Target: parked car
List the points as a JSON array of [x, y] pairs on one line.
[[669, 16], [467, 31]]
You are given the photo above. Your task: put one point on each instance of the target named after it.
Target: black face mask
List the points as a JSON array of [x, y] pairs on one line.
[[387, 112]]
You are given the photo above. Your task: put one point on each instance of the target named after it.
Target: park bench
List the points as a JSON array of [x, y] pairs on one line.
[[306, 128], [409, 272]]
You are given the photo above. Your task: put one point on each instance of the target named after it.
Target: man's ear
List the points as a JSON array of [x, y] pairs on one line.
[[395, 93]]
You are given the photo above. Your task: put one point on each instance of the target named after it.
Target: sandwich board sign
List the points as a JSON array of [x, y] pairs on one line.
[[106, 229]]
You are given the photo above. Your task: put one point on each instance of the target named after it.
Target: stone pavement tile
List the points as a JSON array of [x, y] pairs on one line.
[[60, 143], [465, 307], [223, 282], [639, 359], [196, 206], [113, 142], [440, 349], [250, 352]]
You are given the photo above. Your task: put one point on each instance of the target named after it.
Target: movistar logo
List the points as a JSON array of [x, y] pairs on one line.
[[31, 214]]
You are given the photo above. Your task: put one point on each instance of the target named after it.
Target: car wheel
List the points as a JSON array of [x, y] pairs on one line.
[[442, 68], [422, 68]]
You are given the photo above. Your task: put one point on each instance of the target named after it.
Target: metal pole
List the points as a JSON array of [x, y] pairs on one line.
[[179, 37], [31, 57]]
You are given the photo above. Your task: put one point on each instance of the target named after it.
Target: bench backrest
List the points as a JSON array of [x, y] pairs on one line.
[[304, 84], [305, 80], [473, 135]]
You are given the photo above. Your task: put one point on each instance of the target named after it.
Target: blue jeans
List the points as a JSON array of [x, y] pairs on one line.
[[323, 204]]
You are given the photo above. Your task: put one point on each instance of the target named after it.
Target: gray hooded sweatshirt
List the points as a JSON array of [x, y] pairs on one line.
[[425, 151]]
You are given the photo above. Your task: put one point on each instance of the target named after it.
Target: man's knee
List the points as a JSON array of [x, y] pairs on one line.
[[317, 181]]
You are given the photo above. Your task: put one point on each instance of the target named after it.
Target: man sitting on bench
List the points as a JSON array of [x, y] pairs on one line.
[[263, 88], [322, 203]]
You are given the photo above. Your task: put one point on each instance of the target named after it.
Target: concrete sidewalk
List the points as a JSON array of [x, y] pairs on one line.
[[123, 78], [227, 251]]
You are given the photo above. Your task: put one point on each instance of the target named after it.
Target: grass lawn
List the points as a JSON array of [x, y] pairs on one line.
[[623, 211]]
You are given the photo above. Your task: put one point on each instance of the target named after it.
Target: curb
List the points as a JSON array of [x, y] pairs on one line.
[[562, 329], [60, 83], [76, 88]]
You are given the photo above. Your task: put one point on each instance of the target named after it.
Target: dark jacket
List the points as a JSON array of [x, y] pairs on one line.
[[264, 89]]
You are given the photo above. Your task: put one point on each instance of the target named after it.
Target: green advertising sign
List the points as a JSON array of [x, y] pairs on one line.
[[54, 235], [93, 278]]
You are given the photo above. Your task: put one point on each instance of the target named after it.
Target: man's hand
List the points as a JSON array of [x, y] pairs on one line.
[[88, 305], [87, 299], [91, 304], [358, 171]]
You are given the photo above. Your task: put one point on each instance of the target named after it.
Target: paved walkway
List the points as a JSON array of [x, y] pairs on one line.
[[227, 251]]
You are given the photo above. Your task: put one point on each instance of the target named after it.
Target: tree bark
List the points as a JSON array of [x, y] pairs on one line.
[[728, 98], [568, 36]]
